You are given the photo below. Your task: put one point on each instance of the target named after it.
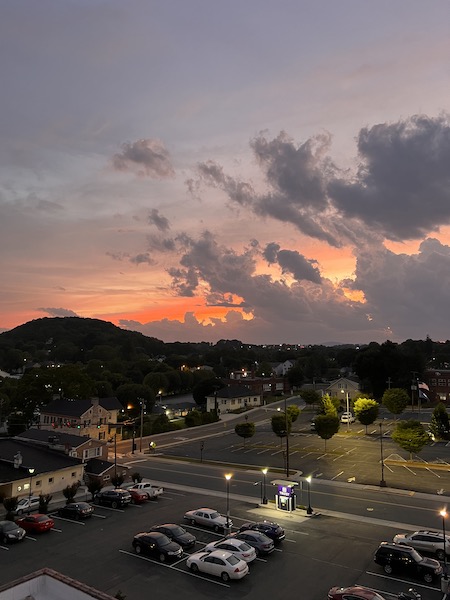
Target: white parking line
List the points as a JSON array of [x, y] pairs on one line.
[[161, 564], [390, 578]]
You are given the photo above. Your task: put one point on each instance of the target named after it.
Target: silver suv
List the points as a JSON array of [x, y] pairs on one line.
[[430, 542]]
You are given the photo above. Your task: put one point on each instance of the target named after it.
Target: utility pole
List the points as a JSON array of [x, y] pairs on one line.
[[389, 381]]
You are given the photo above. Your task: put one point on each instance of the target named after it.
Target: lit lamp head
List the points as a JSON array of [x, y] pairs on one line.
[[228, 476], [443, 513], [308, 479], [31, 471], [265, 471]]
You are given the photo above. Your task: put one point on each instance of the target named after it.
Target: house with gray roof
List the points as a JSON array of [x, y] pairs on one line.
[[232, 397], [26, 468]]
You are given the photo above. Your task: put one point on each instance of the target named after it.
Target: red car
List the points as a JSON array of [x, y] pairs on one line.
[[354, 592], [36, 523], [138, 496]]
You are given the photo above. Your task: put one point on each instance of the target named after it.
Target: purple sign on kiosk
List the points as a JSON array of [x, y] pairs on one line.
[[285, 490]]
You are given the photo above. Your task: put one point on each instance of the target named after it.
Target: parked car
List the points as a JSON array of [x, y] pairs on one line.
[[26, 505], [138, 496], [76, 510], [218, 563], [116, 498], [354, 592], [158, 545], [259, 541], [312, 424], [36, 523], [10, 532], [347, 417], [153, 492], [274, 531], [208, 517], [431, 542], [237, 547], [176, 533], [395, 558]]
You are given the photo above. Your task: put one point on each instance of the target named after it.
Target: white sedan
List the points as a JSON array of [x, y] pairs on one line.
[[218, 563], [347, 417], [237, 547], [208, 517]]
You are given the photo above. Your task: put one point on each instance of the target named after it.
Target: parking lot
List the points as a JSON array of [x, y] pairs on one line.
[[317, 553]]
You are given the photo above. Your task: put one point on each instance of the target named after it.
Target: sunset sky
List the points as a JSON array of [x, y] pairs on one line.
[[264, 170]]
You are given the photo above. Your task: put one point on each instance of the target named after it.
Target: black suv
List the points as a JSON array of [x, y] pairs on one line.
[[404, 559], [114, 498]]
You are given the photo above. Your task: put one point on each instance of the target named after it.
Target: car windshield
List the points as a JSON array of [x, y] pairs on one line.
[[244, 547], [214, 515], [22, 502], [177, 531], [41, 519], [163, 540], [233, 560], [9, 526]]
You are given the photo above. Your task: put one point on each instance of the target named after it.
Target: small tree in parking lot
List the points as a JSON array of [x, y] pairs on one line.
[[44, 501], [411, 436], [245, 430], [69, 492], [94, 486], [117, 480], [366, 411], [10, 505], [326, 426]]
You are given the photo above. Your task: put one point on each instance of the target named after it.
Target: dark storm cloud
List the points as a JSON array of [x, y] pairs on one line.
[[400, 191], [292, 262], [402, 187], [296, 180], [158, 220], [408, 293], [145, 158]]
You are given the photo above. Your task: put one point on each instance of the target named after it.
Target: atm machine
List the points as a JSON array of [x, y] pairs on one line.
[[285, 498]]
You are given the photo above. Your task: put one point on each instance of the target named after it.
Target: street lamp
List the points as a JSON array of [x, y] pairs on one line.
[[263, 495], [347, 409], [309, 510], [382, 480], [141, 400], [228, 476], [30, 471], [443, 514]]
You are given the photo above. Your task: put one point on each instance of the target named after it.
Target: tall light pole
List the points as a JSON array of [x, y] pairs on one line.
[[30, 471], [141, 400], [286, 422], [309, 510], [228, 476], [263, 495], [443, 514], [382, 480], [347, 409]]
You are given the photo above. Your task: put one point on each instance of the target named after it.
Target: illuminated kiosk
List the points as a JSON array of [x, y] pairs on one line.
[[285, 498]]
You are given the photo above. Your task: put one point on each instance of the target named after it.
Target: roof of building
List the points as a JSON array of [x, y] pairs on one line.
[[44, 436], [96, 466], [233, 391], [48, 584], [76, 408], [42, 460]]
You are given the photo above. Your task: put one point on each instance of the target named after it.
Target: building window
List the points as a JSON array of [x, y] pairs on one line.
[[442, 382], [50, 479], [38, 483], [74, 474], [433, 382]]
